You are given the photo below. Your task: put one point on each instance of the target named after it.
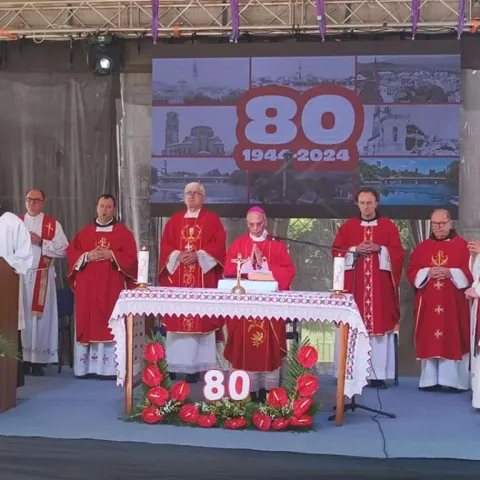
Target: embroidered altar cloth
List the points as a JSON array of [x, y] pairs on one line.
[[303, 306]]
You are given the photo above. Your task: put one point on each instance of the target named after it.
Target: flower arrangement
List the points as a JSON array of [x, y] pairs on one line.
[[290, 407]]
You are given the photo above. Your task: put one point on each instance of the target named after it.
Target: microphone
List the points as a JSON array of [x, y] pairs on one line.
[[319, 246]]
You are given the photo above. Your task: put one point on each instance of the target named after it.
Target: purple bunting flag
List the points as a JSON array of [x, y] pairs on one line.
[[461, 17], [321, 20], [415, 16], [235, 13], [155, 7]]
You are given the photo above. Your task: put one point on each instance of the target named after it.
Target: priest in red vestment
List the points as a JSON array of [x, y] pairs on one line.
[[102, 261], [255, 344], [192, 254], [372, 274], [439, 272]]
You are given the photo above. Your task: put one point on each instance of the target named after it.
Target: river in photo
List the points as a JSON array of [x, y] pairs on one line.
[[216, 192], [415, 194]]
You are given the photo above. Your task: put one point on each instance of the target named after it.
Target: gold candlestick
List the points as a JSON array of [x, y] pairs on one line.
[[238, 289]]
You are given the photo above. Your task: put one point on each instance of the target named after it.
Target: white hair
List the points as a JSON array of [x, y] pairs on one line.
[[195, 184]]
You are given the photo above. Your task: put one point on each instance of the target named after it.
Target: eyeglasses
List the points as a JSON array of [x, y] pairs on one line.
[[440, 224], [193, 194], [34, 200]]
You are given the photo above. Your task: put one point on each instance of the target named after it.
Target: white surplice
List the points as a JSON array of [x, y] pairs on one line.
[[16, 249], [190, 352], [439, 371], [475, 349], [40, 336], [382, 355], [95, 358]]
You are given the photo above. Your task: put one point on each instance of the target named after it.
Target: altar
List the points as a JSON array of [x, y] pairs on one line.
[[128, 326]]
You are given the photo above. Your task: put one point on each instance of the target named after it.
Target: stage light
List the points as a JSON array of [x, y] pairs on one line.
[[105, 54], [104, 65]]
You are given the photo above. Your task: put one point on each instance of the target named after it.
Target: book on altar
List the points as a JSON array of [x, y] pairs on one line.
[[261, 276], [250, 286]]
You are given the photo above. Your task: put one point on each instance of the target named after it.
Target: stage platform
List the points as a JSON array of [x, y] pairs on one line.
[[428, 425]]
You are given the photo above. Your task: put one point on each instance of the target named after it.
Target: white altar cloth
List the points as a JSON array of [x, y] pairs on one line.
[[303, 306]]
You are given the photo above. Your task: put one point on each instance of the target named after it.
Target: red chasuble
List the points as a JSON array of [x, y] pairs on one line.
[[442, 318], [98, 284], [256, 344], [205, 233], [49, 227], [376, 291]]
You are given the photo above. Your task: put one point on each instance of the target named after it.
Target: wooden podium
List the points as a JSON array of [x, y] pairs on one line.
[[9, 290]]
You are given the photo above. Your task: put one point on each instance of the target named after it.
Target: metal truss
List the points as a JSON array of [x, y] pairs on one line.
[[63, 20]]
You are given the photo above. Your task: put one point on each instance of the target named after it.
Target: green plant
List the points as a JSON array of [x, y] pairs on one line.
[[8, 348]]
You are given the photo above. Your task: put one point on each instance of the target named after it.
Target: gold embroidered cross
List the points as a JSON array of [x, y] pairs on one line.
[[438, 334], [49, 228], [439, 310], [440, 259]]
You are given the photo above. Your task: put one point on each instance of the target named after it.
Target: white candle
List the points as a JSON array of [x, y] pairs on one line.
[[143, 259], [339, 273]]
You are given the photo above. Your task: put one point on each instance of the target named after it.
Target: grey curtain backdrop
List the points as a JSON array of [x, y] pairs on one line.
[[57, 134]]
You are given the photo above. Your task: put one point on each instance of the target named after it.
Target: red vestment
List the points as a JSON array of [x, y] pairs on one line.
[[376, 291], [49, 227], [98, 284], [442, 318], [205, 233], [256, 344]]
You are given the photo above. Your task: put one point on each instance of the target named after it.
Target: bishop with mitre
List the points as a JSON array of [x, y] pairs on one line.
[[372, 273], [192, 254], [439, 272], [102, 261], [255, 344]]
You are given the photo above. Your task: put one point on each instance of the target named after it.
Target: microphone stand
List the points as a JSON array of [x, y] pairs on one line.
[[356, 255]]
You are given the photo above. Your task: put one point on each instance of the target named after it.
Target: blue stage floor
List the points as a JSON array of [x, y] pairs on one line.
[[428, 425]]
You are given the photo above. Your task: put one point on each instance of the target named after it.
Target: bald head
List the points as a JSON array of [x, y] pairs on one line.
[[441, 223]]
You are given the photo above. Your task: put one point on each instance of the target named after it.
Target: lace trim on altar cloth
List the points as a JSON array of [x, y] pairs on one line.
[[308, 306]]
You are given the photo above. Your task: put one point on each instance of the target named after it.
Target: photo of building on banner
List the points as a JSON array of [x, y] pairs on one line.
[[301, 134]]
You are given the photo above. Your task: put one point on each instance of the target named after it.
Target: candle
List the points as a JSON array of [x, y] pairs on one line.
[[143, 259], [339, 273]]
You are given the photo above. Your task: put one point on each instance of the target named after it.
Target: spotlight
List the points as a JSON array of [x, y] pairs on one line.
[[104, 65], [105, 54]]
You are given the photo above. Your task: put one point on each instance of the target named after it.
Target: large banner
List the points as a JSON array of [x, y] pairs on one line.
[[300, 134]]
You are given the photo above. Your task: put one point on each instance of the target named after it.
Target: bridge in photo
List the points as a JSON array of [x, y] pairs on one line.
[[409, 179], [193, 178]]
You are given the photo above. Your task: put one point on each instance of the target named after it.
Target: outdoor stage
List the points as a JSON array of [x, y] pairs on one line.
[[428, 426]]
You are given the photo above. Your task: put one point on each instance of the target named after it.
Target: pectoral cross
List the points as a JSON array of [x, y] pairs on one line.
[[239, 261]]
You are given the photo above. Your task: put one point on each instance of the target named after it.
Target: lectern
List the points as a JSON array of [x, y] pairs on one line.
[[9, 285]]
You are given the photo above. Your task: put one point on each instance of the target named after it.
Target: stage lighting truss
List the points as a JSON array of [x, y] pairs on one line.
[[61, 20]]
